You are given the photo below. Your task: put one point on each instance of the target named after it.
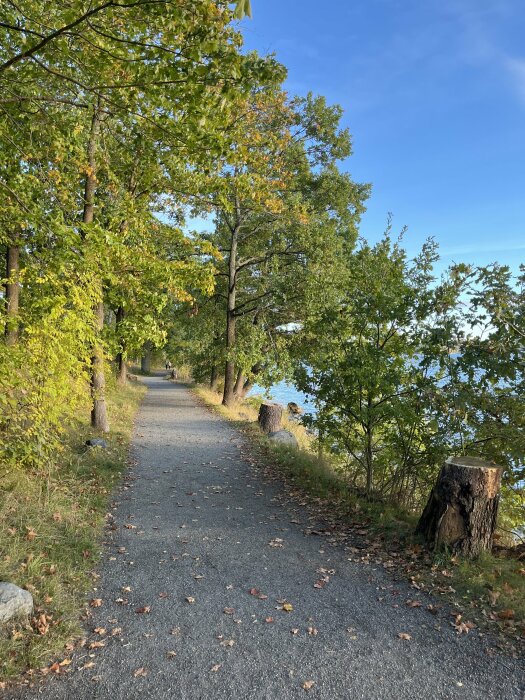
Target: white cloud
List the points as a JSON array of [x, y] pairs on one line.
[[516, 71]]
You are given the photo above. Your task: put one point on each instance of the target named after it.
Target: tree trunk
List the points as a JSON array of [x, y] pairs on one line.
[[270, 415], [122, 370], [463, 506], [145, 361], [12, 294], [99, 418], [228, 397], [214, 378], [239, 382]]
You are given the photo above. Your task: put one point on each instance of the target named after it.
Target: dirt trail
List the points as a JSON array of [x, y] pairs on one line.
[[196, 529]]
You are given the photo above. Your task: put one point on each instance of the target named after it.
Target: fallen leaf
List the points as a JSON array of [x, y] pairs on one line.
[[229, 611], [312, 631], [89, 664], [140, 672], [294, 630], [288, 607], [215, 668], [95, 603], [96, 645], [269, 619], [404, 635], [227, 642], [146, 609], [308, 685], [100, 630], [171, 654], [506, 614], [414, 603], [190, 600]]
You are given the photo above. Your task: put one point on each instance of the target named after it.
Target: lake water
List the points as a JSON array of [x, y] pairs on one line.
[[283, 393]]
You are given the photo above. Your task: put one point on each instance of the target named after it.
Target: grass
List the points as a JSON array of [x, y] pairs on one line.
[[51, 524], [492, 587]]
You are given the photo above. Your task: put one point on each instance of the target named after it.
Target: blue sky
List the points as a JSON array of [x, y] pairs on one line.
[[434, 96]]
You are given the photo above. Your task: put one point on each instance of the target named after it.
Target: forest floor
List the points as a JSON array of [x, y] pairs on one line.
[[216, 583]]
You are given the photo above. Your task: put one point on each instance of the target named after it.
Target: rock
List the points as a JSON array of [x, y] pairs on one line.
[[295, 409], [284, 437], [14, 602], [97, 442]]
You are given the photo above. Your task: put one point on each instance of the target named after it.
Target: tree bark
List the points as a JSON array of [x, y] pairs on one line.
[[270, 415], [463, 506], [239, 382], [12, 294], [228, 397], [99, 419], [214, 378], [145, 360], [122, 370]]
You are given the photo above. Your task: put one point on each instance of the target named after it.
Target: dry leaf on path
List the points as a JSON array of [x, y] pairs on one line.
[[140, 672], [405, 636], [308, 685]]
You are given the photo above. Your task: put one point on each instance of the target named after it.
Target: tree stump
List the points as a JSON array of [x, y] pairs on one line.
[[270, 415], [463, 506]]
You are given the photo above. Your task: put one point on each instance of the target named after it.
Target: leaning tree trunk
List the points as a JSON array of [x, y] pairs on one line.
[[463, 506], [270, 415], [239, 382], [12, 294]]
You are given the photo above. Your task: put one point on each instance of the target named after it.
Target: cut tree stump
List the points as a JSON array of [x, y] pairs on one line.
[[462, 509], [270, 415]]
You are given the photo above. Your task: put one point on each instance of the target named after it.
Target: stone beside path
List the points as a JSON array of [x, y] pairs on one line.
[[207, 590]]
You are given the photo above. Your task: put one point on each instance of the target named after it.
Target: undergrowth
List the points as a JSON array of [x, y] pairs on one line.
[[51, 522]]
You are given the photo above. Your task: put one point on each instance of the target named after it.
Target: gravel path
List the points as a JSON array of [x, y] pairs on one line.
[[193, 525]]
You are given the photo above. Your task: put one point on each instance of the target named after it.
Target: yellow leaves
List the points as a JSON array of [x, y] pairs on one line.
[[287, 607]]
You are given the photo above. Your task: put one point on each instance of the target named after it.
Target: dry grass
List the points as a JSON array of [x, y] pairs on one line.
[[51, 522]]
